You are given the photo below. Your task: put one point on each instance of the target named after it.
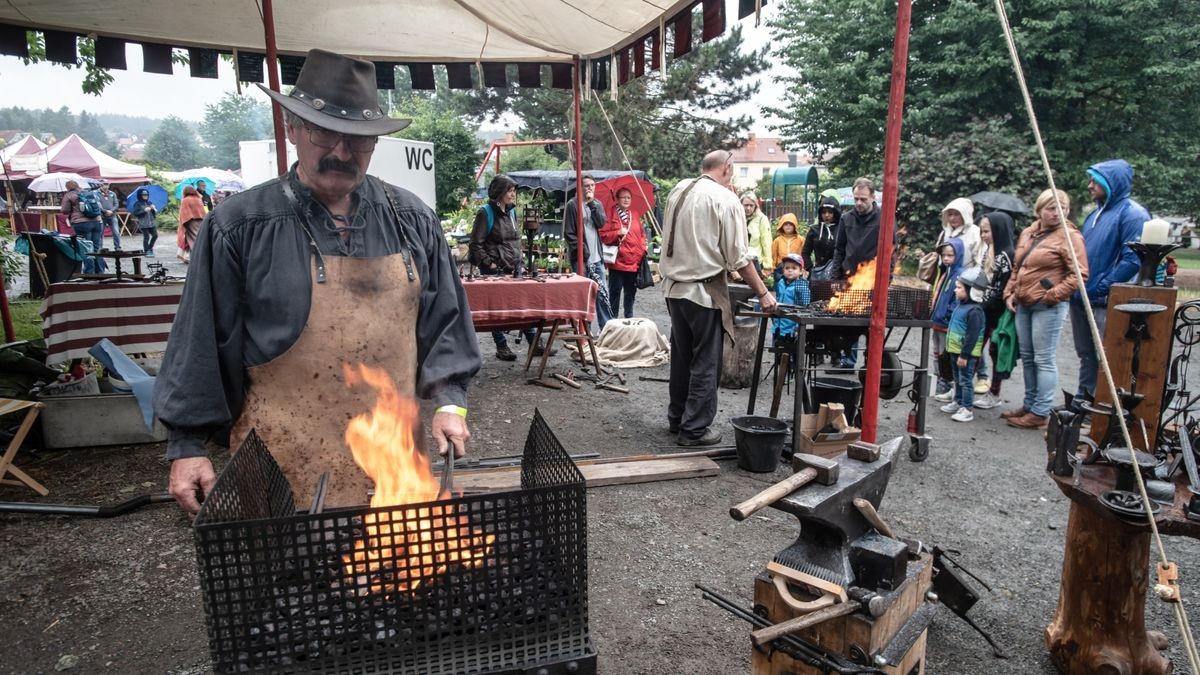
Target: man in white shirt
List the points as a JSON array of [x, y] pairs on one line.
[[705, 235]]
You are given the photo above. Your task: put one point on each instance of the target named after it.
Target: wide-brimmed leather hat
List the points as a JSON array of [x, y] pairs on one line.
[[338, 93]]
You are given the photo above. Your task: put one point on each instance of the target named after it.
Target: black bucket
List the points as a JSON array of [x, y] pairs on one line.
[[759, 442], [837, 390]]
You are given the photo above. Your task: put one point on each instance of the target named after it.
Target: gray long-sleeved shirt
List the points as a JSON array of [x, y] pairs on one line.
[[248, 294]]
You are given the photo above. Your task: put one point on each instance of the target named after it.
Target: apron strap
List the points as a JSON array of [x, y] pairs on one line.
[[312, 242], [405, 245], [671, 216]]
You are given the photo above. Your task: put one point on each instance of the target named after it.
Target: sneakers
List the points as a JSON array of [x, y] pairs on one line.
[[945, 396], [1014, 413], [149, 254], [846, 363], [710, 437], [986, 401], [951, 407], [983, 385], [963, 415], [503, 353], [1028, 421]]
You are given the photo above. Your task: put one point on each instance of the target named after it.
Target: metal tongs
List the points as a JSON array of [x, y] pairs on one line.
[[448, 470]]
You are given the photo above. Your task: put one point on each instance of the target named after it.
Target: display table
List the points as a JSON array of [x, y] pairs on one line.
[[42, 218], [135, 316], [505, 303]]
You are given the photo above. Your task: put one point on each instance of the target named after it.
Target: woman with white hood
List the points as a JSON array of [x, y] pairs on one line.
[[958, 221]]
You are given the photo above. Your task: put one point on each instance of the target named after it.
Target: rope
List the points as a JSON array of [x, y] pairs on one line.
[[621, 148], [1164, 561]]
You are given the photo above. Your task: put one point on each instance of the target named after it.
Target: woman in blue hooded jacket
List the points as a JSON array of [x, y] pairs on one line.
[[145, 212], [953, 254]]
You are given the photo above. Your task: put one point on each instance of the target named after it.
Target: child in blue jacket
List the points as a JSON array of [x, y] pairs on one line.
[[953, 254], [792, 289], [964, 342]]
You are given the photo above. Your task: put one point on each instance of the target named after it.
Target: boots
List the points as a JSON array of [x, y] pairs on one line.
[[503, 353]]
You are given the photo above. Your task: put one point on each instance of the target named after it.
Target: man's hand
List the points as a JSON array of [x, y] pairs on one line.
[[735, 277], [768, 302], [962, 363], [192, 478], [450, 428]]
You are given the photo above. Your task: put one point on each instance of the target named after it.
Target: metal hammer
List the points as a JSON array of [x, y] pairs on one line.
[[807, 467]]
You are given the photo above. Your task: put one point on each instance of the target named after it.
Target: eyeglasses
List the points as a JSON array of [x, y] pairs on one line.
[[324, 138]]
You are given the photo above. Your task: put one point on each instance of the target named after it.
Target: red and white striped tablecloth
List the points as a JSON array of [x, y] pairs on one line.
[[504, 303], [136, 317]]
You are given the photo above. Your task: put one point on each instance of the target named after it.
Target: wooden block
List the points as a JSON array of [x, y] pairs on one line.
[[598, 475]]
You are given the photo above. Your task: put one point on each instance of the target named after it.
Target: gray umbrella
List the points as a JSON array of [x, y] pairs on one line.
[[998, 201]]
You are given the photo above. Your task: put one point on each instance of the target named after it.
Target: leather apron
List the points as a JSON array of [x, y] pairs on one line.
[[299, 403]]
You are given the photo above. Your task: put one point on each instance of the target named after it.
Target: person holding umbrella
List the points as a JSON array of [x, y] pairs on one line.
[[624, 230], [145, 211]]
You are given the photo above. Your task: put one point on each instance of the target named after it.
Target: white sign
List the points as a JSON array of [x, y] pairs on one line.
[[401, 162]]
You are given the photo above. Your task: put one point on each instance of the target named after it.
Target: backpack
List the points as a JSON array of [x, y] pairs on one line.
[[89, 203]]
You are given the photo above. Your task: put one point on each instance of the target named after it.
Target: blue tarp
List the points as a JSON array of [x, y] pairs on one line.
[[74, 248]]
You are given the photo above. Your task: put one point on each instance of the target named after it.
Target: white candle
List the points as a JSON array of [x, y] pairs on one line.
[[1156, 231]]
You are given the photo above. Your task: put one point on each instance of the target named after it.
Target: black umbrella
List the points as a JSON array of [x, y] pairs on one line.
[[998, 201]]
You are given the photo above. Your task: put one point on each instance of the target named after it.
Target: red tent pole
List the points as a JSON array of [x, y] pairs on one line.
[[887, 221], [578, 156], [9, 334], [268, 14]]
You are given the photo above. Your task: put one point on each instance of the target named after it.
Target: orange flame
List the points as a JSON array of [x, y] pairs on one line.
[[860, 284], [402, 547]]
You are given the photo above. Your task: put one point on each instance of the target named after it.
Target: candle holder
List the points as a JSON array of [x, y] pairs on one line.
[[1151, 256]]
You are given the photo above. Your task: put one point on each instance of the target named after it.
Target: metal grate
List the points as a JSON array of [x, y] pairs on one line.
[[282, 596], [903, 303]]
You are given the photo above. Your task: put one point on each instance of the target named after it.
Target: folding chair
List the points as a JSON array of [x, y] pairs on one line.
[[32, 408]]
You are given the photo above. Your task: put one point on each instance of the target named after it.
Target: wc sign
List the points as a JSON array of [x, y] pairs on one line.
[[399, 161]]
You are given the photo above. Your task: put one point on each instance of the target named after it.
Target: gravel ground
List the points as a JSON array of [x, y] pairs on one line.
[[121, 595]]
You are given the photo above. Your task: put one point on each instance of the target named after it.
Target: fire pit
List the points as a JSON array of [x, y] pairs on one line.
[[491, 583]]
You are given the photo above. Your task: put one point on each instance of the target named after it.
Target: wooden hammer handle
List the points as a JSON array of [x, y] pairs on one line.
[[773, 494], [868, 511], [773, 632]]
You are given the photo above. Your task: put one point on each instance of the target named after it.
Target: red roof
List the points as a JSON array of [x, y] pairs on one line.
[[761, 151]]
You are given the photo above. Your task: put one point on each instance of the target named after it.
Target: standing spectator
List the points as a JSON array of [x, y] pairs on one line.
[[954, 261], [791, 289], [495, 249], [108, 204], [202, 188], [1042, 281], [759, 227], [145, 213], [996, 239], [964, 341], [787, 241], [705, 235], [1118, 219], [191, 217], [84, 211], [820, 240], [593, 259], [958, 220], [857, 232], [624, 230]]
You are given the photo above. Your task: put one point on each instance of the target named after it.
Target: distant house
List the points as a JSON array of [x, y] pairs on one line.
[[134, 153], [759, 157]]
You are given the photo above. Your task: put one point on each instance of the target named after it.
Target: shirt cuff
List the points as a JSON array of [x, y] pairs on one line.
[[184, 444], [451, 394]]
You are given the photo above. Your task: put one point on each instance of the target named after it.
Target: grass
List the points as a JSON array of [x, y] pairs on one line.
[[27, 322], [1187, 258]]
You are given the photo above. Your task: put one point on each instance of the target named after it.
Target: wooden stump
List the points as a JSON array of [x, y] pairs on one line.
[[1099, 625], [737, 359]]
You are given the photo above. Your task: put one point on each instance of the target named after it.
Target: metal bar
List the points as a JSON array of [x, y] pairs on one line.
[[800, 398], [578, 157], [107, 511], [758, 355], [268, 16], [887, 220], [922, 382]]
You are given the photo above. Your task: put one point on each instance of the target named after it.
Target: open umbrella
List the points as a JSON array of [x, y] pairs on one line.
[[230, 186], [642, 191], [998, 201], [209, 185], [55, 182], [158, 197]]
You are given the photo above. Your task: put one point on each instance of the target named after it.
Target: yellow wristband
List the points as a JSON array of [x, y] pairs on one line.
[[456, 409]]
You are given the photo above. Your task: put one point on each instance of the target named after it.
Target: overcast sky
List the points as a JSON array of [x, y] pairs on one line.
[[134, 92]]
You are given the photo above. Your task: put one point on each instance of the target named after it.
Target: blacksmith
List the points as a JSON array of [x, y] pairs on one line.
[[705, 231], [293, 278]]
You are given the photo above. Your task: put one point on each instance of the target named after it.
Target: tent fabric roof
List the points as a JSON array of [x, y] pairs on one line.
[[431, 30], [75, 155], [563, 181], [25, 146]]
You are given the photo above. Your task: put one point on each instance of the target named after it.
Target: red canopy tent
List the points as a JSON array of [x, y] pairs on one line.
[[75, 155]]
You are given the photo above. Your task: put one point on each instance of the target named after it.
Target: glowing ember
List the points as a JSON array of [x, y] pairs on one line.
[[402, 547], [856, 297]]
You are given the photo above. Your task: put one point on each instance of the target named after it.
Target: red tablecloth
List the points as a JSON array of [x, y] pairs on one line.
[[504, 303], [135, 316], [32, 221]]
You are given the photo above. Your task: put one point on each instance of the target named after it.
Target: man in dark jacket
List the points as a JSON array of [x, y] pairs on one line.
[[109, 202], [1118, 219], [593, 260], [858, 231]]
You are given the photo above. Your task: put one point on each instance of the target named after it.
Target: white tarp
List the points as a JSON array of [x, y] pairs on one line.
[[381, 30]]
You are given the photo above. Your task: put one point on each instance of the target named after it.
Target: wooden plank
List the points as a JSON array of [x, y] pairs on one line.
[[599, 475]]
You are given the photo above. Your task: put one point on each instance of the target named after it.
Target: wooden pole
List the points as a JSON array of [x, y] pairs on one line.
[[268, 14], [887, 222], [578, 157]]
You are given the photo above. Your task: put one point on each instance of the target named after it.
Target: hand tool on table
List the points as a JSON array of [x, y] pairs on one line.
[[808, 468]]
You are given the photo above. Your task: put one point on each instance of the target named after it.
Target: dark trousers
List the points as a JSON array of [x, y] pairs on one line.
[[618, 280], [149, 239], [696, 342]]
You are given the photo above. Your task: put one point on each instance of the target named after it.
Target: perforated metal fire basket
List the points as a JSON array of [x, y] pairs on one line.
[[282, 595]]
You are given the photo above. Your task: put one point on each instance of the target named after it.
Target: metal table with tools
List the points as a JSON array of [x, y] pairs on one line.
[[908, 310]]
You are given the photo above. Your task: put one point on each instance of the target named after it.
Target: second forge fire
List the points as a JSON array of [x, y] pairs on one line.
[[402, 546]]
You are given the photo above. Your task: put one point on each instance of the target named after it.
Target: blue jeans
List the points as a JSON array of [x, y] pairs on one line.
[[964, 381], [1085, 347], [149, 239], [595, 272], [92, 231], [1038, 329], [115, 226]]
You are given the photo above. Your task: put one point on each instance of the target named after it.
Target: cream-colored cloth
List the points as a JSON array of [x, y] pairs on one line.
[[711, 240], [632, 343]]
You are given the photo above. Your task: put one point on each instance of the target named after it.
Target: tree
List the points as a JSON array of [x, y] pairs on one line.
[[89, 129], [173, 144], [229, 121], [532, 158], [1105, 81], [454, 150]]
